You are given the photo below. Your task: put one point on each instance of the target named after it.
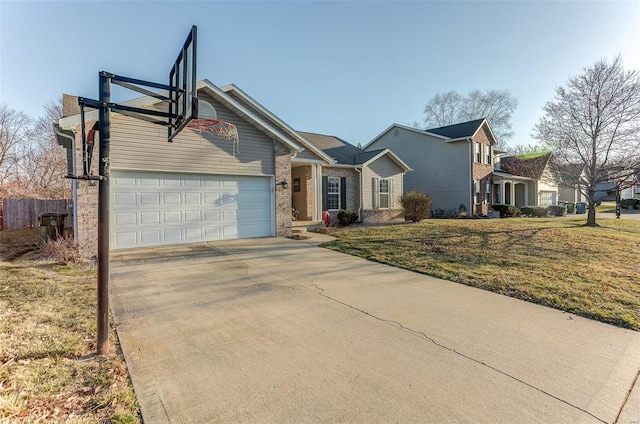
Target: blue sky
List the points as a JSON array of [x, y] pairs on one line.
[[348, 69]]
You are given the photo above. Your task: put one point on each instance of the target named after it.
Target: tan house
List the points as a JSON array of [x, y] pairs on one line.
[[527, 180], [369, 183], [452, 164], [204, 188]]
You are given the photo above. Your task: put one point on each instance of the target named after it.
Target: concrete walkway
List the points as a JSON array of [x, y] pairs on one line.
[[276, 330]]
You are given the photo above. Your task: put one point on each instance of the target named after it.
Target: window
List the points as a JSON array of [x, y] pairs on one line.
[[489, 162], [384, 193], [487, 191], [333, 193], [478, 152], [476, 189]]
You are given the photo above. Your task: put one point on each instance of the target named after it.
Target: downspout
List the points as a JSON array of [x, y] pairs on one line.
[[361, 194], [471, 192], [74, 183]]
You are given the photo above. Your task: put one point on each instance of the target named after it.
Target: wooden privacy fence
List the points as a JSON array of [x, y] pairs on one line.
[[18, 214]]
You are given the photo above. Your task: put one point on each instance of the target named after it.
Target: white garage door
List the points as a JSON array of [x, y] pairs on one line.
[[153, 209], [547, 198]]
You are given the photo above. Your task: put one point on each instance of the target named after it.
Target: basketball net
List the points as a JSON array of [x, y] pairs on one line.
[[221, 129]]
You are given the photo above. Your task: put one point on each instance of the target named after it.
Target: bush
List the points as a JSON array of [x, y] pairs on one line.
[[346, 217], [416, 205], [557, 210], [630, 202], [506, 211], [536, 211]]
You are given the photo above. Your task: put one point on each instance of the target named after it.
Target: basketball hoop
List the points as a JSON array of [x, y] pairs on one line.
[[222, 129]]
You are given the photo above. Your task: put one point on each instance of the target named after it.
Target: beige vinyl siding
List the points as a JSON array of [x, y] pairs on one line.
[[381, 168], [140, 145], [305, 154], [440, 169]]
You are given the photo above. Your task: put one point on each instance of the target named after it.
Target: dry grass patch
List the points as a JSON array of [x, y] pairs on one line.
[[47, 335], [592, 272]]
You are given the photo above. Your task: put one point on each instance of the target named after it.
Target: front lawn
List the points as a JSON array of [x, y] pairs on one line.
[[48, 369], [592, 272]]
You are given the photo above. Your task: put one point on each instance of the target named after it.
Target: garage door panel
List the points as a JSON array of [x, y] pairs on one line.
[[154, 209]]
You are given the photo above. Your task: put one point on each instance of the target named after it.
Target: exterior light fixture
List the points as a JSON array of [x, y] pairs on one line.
[[283, 184]]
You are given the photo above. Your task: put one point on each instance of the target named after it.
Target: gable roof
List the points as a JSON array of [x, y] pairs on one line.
[[342, 152], [531, 167], [461, 130], [250, 103], [347, 154], [218, 94]]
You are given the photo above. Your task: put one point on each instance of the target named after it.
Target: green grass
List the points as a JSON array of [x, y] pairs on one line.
[[592, 272], [47, 341]]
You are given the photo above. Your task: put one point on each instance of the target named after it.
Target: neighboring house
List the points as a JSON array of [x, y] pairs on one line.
[[569, 189], [199, 187], [369, 183], [526, 180], [452, 164]]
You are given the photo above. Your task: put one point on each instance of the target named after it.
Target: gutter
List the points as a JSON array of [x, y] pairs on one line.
[[74, 183], [471, 192], [361, 194]]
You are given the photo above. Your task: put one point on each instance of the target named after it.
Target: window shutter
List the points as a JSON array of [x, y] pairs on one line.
[[375, 185], [325, 182], [391, 204], [343, 193]]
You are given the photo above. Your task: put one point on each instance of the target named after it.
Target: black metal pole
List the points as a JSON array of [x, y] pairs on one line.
[[103, 216]]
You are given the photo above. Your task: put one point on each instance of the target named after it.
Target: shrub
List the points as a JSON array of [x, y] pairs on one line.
[[462, 210], [416, 205], [506, 211], [536, 211], [346, 217], [630, 202], [557, 210]]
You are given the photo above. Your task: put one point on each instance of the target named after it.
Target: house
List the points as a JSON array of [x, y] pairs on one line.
[[201, 187], [370, 182], [526, 180], [452, 164]]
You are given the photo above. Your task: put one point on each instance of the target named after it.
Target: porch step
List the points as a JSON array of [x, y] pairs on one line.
[[298, 227]]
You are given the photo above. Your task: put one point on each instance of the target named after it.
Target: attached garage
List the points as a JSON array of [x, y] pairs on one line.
[[199, 187], [153, 209]]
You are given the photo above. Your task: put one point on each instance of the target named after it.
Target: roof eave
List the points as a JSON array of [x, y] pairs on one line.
[[293, 132]]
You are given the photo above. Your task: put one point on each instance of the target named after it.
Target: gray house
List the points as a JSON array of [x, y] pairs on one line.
[[452, 164]]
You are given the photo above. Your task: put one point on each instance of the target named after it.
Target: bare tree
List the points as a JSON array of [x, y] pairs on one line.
[[43, 160], [593, 127], [14, 131], [451, 108]]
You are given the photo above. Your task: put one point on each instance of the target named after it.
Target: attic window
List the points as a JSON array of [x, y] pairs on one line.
[[206, 110]]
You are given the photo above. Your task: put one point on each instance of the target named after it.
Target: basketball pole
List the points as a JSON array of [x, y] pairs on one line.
[[103, 215]]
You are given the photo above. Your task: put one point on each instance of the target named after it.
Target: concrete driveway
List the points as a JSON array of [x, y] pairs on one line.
[[276, 330]]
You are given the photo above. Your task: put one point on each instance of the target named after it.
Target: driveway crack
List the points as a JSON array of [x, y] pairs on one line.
[[424, 336], [626, 398]]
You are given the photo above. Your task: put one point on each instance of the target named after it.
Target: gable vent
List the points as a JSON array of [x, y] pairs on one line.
[[206, 110]]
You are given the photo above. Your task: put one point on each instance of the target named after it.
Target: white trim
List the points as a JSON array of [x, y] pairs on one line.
[[388, 193], [484, 121], [329, 177], [307, 161], [393, 157], [404, 127]]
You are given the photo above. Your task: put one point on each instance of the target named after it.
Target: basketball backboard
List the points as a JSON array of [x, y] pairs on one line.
[[183, 103]]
